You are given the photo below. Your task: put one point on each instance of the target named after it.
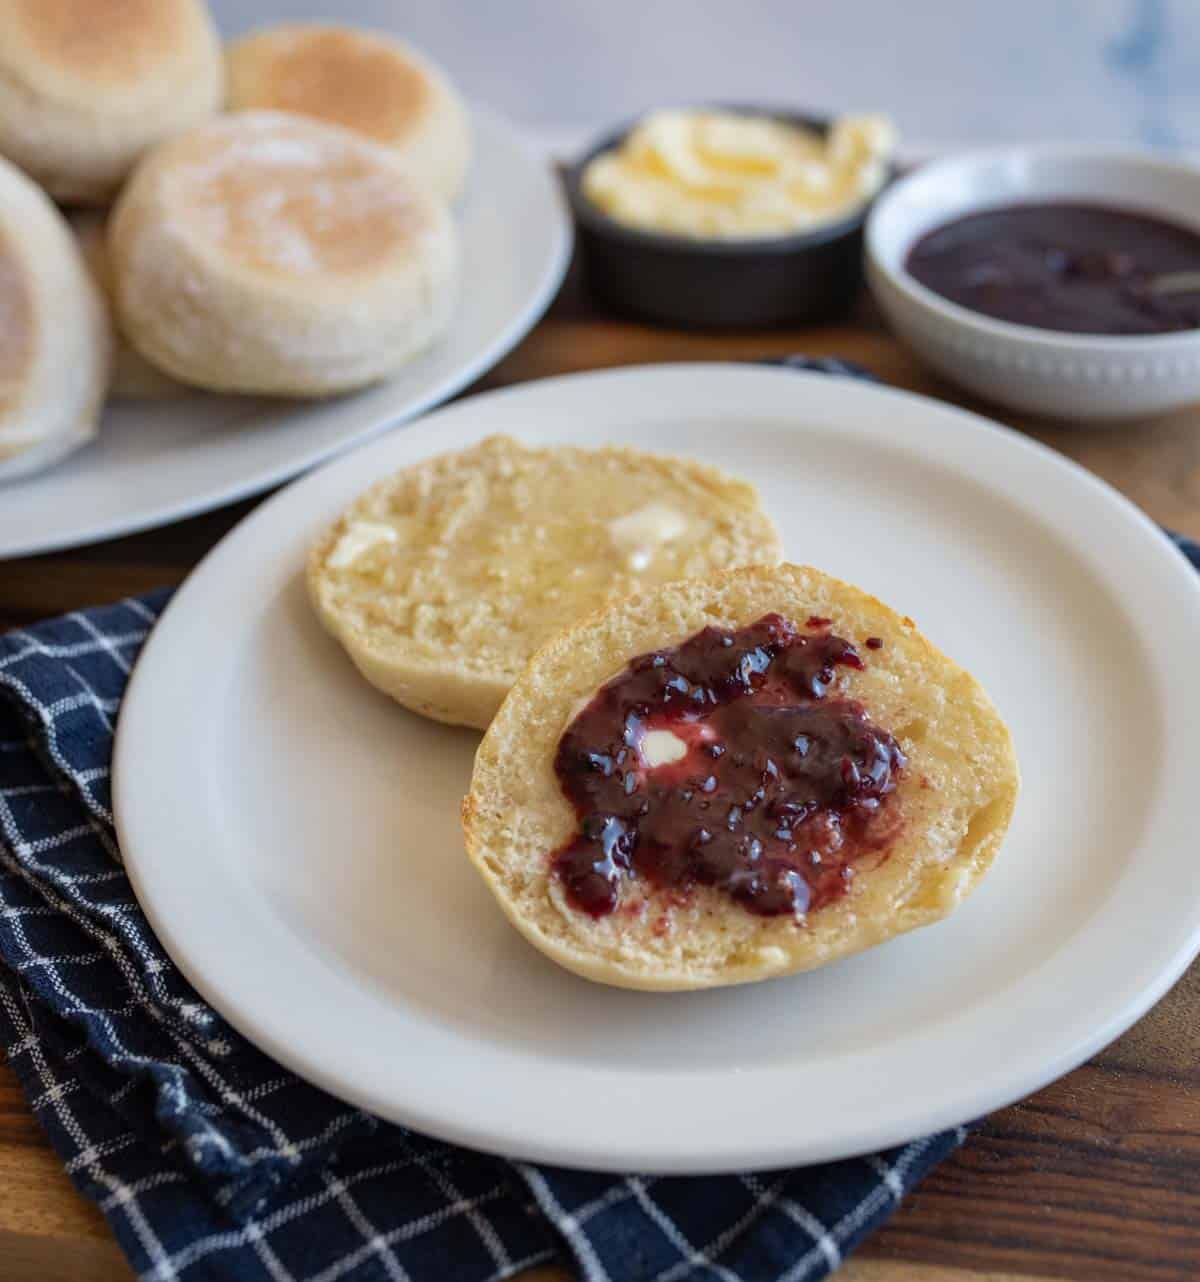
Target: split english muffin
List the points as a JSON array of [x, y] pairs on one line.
[[750, 797], [364, 81], [442, 580], [54, 335], [86, 86], [266, 253]]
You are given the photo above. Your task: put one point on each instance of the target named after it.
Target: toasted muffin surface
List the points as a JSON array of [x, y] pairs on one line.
[[955, 797], [442, 580]]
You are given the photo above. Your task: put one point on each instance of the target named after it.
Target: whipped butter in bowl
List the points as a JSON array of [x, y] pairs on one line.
[[730, 216], [729, 175]]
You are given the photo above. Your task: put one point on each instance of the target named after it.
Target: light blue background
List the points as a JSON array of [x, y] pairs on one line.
[[951, 72]]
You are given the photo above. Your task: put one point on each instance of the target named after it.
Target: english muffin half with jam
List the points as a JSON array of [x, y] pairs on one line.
[[736, 777]]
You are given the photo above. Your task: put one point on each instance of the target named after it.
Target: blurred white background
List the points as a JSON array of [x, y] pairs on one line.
[[950, 71]]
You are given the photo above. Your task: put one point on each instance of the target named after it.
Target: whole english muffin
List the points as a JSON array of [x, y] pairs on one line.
[[903, 750], [133, 377], [266, 253], [442, 580], [54, 334], [363, 80], [86, 86]]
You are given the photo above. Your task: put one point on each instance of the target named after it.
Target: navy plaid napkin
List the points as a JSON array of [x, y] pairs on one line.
[[212, 1163]]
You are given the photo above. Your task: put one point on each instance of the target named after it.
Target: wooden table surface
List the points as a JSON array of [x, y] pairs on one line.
[[1094, 1179]]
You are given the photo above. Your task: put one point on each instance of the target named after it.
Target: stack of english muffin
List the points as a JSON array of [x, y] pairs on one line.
[[269, 218]]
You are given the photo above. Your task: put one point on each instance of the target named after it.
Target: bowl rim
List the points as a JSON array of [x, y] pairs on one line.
[[1010, 331], [593, 218]]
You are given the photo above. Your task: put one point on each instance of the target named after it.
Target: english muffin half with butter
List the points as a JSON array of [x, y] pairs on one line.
[[54, 334], [361, 80], [442, 580], [266, 253], [86, 86], [736, 777]]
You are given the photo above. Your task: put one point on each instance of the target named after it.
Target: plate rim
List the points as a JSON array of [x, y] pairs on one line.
[[490, 1134], [553, 272]]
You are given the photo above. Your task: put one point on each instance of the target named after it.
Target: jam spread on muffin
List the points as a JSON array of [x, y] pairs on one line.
[[1083, 269], [728, 762]]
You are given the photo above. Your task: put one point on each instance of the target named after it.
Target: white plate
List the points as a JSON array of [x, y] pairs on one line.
[[294, 836], [157, 463]]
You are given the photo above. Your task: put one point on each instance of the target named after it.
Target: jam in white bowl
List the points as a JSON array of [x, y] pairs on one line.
[[1088, 377]]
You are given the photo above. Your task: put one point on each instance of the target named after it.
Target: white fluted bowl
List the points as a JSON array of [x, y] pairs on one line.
[[1085, 377]]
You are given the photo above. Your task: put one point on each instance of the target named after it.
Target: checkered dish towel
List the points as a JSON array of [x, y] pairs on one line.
[[212, 1163]]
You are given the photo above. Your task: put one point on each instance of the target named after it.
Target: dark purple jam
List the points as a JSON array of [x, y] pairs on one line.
[[1083, 269], [782, 787]]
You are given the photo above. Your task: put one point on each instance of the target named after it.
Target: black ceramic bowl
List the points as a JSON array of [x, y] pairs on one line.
[[718, 284]]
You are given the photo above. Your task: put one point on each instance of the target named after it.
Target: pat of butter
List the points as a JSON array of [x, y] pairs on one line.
[[661, 748], [359, 539], [639, 534]]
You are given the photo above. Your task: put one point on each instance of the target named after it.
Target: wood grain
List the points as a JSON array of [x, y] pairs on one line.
[[1096, 1178]]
